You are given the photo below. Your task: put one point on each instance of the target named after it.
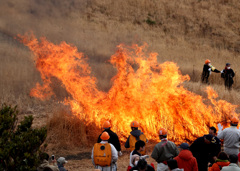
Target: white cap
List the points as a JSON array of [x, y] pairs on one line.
[[61, 160]]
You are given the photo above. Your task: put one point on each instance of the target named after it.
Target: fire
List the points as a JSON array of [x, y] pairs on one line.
[[142, 90]]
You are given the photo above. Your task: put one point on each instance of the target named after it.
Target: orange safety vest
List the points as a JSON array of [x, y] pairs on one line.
[[102, 154], [133, 140]]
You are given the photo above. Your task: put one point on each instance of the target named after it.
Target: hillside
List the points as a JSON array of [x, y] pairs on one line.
[[186, 32]]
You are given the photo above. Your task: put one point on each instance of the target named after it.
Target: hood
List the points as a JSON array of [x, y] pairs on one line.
[[223, 163], [136, 133], [185, 155], [44, 164]]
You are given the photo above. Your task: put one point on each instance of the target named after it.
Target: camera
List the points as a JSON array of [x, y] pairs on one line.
[[52, 157]]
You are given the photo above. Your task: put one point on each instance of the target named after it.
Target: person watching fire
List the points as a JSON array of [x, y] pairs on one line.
[[104, 155], [207, 69], [213, 132], [203, 150], [230, 136], [134, 136], [164, 151], [114, 140]]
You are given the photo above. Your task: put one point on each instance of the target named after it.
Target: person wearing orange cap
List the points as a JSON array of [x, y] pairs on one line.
[[207, 69], [134, 136], [164, 151], [114, 140], [230, 136], [104, 155]]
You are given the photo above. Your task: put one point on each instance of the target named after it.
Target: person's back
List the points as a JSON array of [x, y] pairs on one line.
[[221, 161], [202, 149], [142, 166], [185, 159], [134, 136], [173, 165], [104, 155], [233, 166], [164, 150], [231, 137], [114, 140], [45, 164]]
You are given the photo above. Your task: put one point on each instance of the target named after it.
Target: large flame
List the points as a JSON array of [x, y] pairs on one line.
[[142, 90]]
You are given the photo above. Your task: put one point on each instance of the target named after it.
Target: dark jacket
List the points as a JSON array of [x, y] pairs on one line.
[[113, 139], [202, 152], [135, 133], [186, 161], [228, 73], [206, 72], [149, 168]]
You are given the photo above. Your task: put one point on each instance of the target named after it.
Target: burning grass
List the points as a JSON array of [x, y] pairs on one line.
[[142, 90]]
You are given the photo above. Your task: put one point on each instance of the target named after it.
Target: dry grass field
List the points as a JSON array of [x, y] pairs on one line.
[[186, 32]]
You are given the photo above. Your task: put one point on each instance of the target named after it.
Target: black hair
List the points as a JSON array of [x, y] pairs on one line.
[[47, 169], [142, 164], [233, 124], [213, 128], [223, 156], [233, 158], [139, 144], [134, 128], [44, 156], [163, 136], [172, 164]]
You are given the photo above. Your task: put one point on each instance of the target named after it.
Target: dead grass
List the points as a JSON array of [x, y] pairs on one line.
[[66, 131]]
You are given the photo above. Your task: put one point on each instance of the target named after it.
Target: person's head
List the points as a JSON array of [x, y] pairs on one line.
[[47, 169], [223, 156], [44, 156], [213, 131], [172, 164], [105, 136], [183, 146], [134, 125], [208, 139], [228, 65], [233, 158], [140, 145], [234, 121], [162, 133], [208, 62], [134, 159], [61, 161], [106, 125], [142, 165]]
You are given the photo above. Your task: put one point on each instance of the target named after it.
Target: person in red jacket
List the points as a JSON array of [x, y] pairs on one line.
[[220, 162], [185, 159]]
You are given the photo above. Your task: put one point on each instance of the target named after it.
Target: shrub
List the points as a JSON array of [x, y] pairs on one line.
[[19, 143]]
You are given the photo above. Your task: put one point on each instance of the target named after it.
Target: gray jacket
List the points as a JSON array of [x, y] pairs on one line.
[[164, 151], [231, 167]]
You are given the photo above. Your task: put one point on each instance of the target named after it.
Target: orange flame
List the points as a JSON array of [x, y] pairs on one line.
[[142, 90]]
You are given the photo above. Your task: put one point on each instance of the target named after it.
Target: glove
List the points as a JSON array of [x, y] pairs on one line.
[[220, 127], [119, 153], [144, 157]]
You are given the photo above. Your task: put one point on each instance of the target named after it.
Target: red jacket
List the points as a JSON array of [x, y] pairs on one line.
[[186, 161]]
